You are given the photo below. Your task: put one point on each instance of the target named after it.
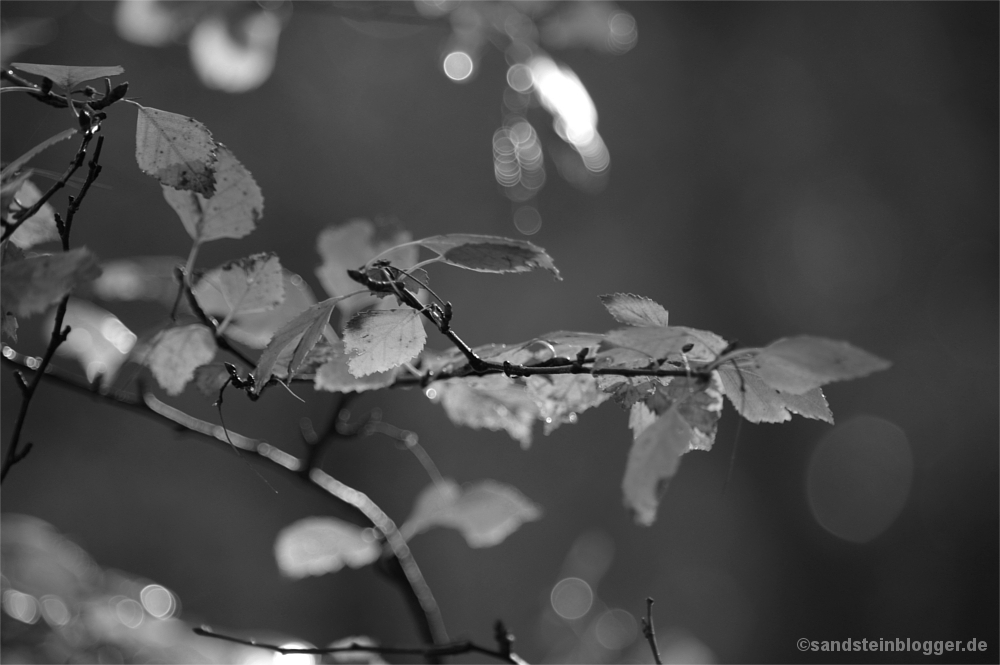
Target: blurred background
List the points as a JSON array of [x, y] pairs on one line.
[[761, 170]]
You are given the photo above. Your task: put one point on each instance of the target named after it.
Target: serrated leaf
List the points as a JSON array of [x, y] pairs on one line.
[[68, 77], [562, 397], [15, 166], [627, 390], [334, 375], [489, 253], [659, 343], [492, 402], [31, 285], [176, 150], [302, 332], [255, 329], [352, 245], [760, 403], [635, 310], [231, 212], [177, 352], [248, 285], [485, 513], [40, 227], [148, 278], [98, 340], [688, 414], [318, 545], [382, 339], [796, 365]]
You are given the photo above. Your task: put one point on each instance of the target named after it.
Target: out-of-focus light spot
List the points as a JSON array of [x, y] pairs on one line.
[[519, 78], [231, 65], [859, 478], [565, 97], [294, 658], [434, 8], [21, 606], [616, 629], [591, 556], [147, 22], [115, 332], [527, 220], [54, 611], [8, 352], [572, 598], [458, 65], [431, 393], [98, 340], [158, 601], [622, 33], [32, 362], [129, 612], [296, 280], [679, 646]]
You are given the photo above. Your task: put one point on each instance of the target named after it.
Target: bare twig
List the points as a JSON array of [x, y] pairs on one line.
[[436, 651], [650, 632]]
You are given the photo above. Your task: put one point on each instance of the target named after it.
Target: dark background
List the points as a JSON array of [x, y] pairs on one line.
[[776, 169]]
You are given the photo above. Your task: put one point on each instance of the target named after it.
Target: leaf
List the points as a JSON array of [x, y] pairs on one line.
[[354, 657], [635, 310], [255, 329], [210, 378], [492, 402], [485, 513], [302, 332], [334, 375], [68, 77], [98, 340], [489, 253], [383, 339], [760, 403], [30, 286], [231, 212], [15, 166], [354, 244], [251, 284], [627, 390], [138, 278], [663, 343], [562, 397], [797, 365], [318, 545], [688, 414], [177, 352], [40, 227], [176, 150]]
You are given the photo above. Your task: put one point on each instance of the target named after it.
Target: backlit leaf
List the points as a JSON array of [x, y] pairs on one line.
[[252, 284], [334, 375], [635, 310], [797, 365], [177, 352], [255, 329], [382, 339], [687, 417], [489, 253], [562, 397], [231, 212], [352, 245], [66, 76], [318, 545], [40, 227], [485, 513], [17, 164], [492, 402], [659, 343], [300, 334], [176, 150], [210, 378], [760, 403], [98, 340], [31, 285]]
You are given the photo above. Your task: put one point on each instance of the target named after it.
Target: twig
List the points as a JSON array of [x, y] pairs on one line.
[[650, 632], [429, 619], [436, 651]]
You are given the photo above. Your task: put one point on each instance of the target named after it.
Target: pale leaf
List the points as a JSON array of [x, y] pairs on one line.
[[251, 284], [675, 343], [176, 150], [177, 352], [210, 378], [492, 402], [635, 310], [231, 212], [318, 545], [796, 365], [352, 245], [31, 285], [255, 329], [334, 375], [66, 76], [485, 513], [302, 332], [562, 397], [760, 403], [98, 340], [489, 253], [382, 339], [40, 227]]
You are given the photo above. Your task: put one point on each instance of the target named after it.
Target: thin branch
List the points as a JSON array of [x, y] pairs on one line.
[[429, 620], [650, 632], [437, 651]]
